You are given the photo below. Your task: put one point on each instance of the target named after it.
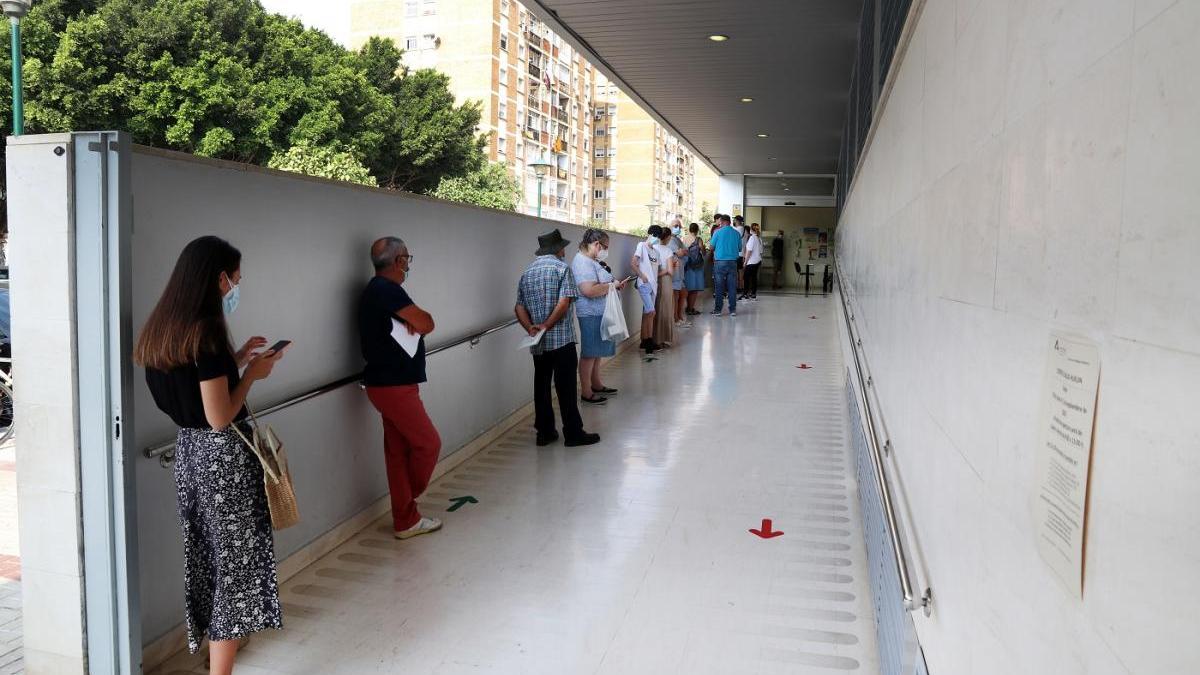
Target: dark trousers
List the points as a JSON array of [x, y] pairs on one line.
[[751, 273], [559, 366]]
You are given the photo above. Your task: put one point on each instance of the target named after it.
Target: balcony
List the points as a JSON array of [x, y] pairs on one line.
[[535, 71]]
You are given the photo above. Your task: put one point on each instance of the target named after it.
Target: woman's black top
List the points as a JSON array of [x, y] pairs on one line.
[[177, 391]]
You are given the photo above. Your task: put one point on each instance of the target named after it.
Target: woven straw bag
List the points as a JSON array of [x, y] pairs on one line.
[[277, 477]]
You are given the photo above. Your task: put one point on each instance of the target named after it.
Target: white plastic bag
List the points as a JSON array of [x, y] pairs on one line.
[[612, 326]]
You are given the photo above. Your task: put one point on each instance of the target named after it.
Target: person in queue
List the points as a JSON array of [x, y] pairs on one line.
[[664, 319], [739, 224], [411, 443], [545, 297], [777, 247], [594, 282], [645, 265], [753, 251], [726, 246], [694, 267], [678, 288], [195, 376]]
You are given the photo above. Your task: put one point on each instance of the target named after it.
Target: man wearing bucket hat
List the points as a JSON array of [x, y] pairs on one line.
[[544, 303]]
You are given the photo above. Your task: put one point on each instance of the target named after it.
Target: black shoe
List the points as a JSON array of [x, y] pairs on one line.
[[652, 347], [547, 440], [715, 312], [594, 400], [582, 440], [607, 391]]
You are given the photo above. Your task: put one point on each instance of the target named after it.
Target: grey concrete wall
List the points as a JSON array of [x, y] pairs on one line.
[[304, 244]]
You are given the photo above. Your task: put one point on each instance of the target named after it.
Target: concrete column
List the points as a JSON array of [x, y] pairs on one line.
[[41, 254], [732, 198]]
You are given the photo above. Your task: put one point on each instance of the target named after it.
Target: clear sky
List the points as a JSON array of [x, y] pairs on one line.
[[331, 16]]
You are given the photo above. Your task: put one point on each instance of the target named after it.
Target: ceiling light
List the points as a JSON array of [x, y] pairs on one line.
[[787, 189], [762, 135], [718, 38], [747, 99], [773, 159], [780, 173]]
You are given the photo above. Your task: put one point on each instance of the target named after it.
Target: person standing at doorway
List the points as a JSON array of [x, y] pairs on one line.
[[753, 263], [231, 586], [777, 259], [726, 245], [678, 288], [411, 443], [545, 297]]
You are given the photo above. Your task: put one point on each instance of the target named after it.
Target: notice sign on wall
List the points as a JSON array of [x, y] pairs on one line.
[[1064, 456]]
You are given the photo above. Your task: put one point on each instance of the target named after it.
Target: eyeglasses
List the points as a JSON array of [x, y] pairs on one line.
[[406, 257]]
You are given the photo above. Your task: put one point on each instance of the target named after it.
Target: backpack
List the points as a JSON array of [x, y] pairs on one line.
[[695, 259]]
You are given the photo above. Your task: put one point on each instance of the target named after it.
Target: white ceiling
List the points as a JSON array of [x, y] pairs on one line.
[[793, 57]]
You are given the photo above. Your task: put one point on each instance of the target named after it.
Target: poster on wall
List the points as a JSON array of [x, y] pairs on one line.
[[1064, 456]]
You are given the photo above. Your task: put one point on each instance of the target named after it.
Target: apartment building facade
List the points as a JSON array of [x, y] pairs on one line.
[[534, 88], [542, 100]]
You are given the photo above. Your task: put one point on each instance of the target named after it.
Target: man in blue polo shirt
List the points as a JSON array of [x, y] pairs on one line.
[[727, 246]]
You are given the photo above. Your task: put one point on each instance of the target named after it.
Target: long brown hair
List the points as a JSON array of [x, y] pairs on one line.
[[189, 317]]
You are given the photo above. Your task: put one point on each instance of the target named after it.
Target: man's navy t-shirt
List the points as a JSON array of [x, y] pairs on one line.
[[388, 365]]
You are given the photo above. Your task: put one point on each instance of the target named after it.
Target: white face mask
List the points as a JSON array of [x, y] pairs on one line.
[[602, 255]]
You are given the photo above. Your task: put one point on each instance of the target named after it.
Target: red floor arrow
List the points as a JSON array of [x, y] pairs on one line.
[[812, 317], [804, 366], [766, 532]]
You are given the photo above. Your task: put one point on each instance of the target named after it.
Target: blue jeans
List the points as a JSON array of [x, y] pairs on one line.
[[725, 283]]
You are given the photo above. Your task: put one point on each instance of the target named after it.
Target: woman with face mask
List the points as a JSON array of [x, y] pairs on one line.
[[197, 378], [593, 281]]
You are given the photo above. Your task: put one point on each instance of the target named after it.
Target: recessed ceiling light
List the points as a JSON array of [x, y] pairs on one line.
[[772, 158], [747, 99], [787, 189], [779, 173], [718, 38], [763, 135]]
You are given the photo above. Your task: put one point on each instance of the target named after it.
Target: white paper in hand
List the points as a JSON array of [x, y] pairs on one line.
[[531, 340], [407, 341]]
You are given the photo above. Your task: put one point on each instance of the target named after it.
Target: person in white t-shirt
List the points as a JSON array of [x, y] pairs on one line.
[[646, 263], [753, 252]]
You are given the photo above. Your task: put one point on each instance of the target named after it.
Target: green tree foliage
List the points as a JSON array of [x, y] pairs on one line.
[[490, 186], [706, 215], [324, 162], [226, 79]]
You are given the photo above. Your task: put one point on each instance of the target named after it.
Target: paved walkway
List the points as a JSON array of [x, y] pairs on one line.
[[633, 556], [10, 566]]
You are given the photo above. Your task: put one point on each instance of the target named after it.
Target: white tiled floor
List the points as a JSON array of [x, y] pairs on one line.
[[632, 556]]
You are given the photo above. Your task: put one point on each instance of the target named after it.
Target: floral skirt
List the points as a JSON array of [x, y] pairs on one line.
[[230, 583]]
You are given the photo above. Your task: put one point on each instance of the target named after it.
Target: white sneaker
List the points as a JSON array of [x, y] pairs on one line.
[[424, 526]]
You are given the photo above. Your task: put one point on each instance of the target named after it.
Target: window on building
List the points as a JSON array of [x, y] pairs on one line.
[[502, 112], [504, 6], [612, 152], [411, 43], [502, 146], [599, 173], [410, 8], [503, 40], [599, 194], [429, 8], [598, 215], [599, 131], [599, 152]]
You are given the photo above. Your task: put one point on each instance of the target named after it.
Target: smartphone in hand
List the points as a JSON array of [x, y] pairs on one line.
[[277, 347]]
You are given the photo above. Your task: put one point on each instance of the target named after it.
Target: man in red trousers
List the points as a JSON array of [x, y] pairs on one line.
[[388, 320]]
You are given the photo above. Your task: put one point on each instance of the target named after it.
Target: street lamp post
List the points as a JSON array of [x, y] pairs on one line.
[[15, 10], [541, 167], [653, 207]]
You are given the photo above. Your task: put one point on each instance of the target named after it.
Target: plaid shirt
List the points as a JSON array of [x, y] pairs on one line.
[[545, 281]]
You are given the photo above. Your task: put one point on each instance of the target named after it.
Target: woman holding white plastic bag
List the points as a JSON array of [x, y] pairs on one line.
[[594, 283]]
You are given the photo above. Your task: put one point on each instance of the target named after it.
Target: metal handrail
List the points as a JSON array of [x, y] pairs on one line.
[[165, 451], [907, 579]]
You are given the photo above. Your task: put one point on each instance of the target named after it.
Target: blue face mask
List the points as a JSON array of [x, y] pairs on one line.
[[231, 299]]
